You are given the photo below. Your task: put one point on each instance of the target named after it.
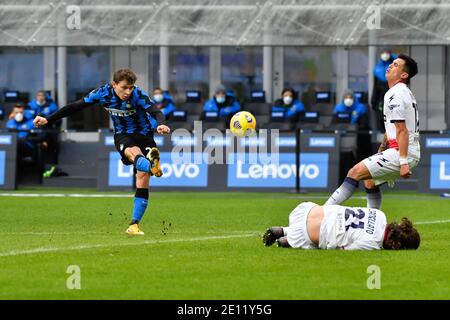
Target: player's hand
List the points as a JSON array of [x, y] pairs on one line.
[[405, 172], [163, 129], [39, 121]]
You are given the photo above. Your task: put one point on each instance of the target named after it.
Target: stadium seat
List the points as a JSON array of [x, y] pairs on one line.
[[309, 126], [257, 108], [262, 121], [282, 126], [192, 108]]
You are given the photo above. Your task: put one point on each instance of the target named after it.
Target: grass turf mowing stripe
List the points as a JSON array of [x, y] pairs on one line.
[[95, 246]]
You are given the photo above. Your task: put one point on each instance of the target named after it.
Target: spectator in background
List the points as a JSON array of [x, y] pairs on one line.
[[42, 104], [289, 105], [225, 104], [20, 123], [380, 85], [164, 102], [350, 104]]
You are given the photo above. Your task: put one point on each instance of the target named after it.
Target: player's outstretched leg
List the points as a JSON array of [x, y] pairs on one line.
[[155, 166], [373, 194], [357, 173], [344, 191]]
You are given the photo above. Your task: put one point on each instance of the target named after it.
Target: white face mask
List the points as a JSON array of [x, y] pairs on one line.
[[158, 97], [40, 103], [287, 100], [220, 99], [18, 117], [348, 102], [385, 56]]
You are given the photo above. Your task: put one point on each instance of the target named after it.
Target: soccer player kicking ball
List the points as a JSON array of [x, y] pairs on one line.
[[128, 106], [336, 227], [400, 151]]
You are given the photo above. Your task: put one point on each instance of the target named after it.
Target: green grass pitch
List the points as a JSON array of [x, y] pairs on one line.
[[206, 246]]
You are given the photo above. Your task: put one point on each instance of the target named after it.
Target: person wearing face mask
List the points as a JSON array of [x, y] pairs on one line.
[[350, 104], [222, 102], [380, 86], [20, 123], [291, 107], [164, 102], [41, 105]]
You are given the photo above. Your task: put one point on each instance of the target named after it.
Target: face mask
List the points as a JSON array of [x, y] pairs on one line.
[[385, 56], [18, 117], [158, 97], [220, 99], [287, 100], [348, 102], [40, 103]]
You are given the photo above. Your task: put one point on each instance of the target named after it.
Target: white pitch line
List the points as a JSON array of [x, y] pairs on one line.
[[94, 246], [70, 195], [432, 222]]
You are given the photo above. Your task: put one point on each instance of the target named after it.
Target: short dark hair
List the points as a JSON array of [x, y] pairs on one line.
[[19, 105], [401, 236], [288, 90], [124, 74], [410, 65], [159, 89]]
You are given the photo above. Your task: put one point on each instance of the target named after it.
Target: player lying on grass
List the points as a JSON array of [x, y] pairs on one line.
[[312, 226], [400, 151], [128, 107]]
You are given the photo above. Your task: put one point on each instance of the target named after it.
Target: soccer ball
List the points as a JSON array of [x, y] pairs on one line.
[[243, 124]]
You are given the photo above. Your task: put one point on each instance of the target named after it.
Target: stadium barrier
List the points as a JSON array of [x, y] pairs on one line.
[[434, 168], [8, 155], [245, 168], [314, 157]]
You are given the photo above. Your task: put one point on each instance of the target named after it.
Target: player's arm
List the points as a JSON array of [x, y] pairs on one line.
[[403, 141], [65, 111], [154, 111]]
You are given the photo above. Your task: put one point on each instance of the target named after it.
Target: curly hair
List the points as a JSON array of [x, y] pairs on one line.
[[401, 236]]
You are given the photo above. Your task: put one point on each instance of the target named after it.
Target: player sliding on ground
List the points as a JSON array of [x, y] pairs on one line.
[[312, 226], [129, 107], [400, 150]]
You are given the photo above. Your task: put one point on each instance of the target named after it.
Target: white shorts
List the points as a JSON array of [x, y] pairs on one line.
[[298, 233], [385, 166]]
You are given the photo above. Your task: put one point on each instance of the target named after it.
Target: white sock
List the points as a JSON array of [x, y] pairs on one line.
[[373, 198], [344, 192]]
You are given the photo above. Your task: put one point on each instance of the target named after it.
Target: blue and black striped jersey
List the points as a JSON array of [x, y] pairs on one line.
[[127, 116]]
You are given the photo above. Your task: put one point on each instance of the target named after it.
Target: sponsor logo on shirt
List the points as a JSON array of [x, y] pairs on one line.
[[121, 113], [393, 106]]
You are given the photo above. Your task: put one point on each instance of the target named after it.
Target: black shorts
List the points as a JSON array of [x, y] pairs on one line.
[[127, 140]]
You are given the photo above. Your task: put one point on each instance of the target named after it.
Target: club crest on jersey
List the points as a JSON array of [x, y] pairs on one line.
[[128, 105]]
